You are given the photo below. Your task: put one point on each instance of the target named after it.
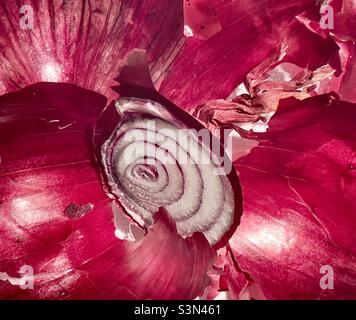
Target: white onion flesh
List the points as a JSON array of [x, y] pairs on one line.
[[152, 161]]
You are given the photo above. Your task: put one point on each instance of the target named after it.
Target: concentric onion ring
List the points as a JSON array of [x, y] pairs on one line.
[[152, 161]]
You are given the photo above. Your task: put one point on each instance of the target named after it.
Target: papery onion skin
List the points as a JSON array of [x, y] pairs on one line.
[[83, 42], [299, 203], [262, 248], [48, 173], [335, 20], [200, 19], [252, 31]]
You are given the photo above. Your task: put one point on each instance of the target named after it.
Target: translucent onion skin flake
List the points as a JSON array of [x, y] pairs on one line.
[[153, 161]]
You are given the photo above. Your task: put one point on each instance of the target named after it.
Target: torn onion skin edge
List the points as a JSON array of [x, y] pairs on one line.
[[124, 123]]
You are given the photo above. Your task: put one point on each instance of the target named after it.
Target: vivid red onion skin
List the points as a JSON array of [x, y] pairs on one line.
[[213, 67], [59, 169], [299, 208], [200, 19], [84, 42], [340, 29]]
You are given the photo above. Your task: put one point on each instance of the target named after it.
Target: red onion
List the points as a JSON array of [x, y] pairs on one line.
[[57, 219], [68, 196]]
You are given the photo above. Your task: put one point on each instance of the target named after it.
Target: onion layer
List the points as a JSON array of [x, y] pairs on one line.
[[152, 161], [299, 203]]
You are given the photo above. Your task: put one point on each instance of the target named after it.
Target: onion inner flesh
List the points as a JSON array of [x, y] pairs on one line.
[[152, 162]]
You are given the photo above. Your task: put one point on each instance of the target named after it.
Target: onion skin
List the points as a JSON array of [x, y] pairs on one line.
[[299, 204], [200, 19], [84, 42], [252, 31], [344, 35], [48, 172], [58, 234]]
